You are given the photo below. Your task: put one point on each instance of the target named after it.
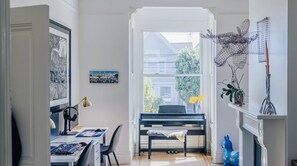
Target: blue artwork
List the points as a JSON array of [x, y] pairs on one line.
[[104, 77], [231, 158]]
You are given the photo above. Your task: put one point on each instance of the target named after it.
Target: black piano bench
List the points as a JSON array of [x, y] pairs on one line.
[[163, 137]]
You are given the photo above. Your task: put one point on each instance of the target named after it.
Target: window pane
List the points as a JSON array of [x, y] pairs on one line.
[[170, 91], [171, 53]]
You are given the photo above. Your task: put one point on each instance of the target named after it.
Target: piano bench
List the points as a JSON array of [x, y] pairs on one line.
[[155, 136]]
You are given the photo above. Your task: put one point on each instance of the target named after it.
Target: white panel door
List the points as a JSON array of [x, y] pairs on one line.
[[5, 116], [29, 82]]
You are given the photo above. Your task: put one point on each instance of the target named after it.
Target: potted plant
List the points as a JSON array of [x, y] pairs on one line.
[[233, 89]]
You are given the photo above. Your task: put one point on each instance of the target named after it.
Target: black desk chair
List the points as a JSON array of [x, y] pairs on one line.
[[106, 149], [85, 155]]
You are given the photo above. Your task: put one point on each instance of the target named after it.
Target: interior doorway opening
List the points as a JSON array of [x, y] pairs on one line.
[[154, 63]]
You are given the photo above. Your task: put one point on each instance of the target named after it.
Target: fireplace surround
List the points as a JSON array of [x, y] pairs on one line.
[[268, 130]]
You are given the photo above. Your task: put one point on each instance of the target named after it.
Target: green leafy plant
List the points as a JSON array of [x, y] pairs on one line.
[[151, 100], [188, 62], [232, 89]]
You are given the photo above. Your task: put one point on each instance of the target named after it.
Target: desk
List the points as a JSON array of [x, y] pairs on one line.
[[71, 159]]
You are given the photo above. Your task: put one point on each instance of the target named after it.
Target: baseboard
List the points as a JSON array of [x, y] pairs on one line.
[[217, 156], [124, 157]]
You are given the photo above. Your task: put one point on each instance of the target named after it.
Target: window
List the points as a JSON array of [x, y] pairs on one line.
[[165, 93], [162, 67], [171, 69], [151, 64]]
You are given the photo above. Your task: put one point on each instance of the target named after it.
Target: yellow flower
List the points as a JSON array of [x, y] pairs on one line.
[[193, 100], [196, 99], [200, 98]]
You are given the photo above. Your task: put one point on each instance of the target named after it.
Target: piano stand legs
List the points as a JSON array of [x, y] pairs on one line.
[[150, 138], [149, 147]]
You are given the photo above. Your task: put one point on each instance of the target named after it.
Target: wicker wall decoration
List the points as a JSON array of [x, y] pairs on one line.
[[234, 45]]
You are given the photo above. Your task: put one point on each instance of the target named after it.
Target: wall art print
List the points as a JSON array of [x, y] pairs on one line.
[[59, 51], [104, 77]]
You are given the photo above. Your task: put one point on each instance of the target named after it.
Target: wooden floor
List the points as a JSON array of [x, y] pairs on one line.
[[164, 159]]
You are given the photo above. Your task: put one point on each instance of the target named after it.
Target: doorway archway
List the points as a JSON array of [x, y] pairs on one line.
[[169, 19]]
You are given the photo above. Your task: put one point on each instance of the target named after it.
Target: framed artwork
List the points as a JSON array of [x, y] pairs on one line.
[[104, 76], [60, 65], [263, 31], [263, 35]]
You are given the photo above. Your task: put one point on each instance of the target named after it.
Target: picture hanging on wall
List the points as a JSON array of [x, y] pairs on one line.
[[263, 31], [258, 47], [60, 67], [105, 76]]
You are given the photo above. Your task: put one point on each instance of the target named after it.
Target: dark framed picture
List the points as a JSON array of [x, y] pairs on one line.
[[105, 76], [60, 65]]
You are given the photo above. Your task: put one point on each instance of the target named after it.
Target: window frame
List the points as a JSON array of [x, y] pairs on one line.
[[162, 75]]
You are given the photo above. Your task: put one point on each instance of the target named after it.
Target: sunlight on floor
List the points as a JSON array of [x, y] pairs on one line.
[[164, 159]]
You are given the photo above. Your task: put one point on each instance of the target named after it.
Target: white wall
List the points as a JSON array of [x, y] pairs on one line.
[[277, 53], [104, 46], [64, 12], [283, 65], [104, 37], [225, 116]]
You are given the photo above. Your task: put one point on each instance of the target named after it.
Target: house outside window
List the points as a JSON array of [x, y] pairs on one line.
[[162, 67], [165, 94], [171, 69]]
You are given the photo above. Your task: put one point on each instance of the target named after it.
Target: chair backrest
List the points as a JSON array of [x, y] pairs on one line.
[[115, 139], [85, 156], [172, 109], [16, 142]]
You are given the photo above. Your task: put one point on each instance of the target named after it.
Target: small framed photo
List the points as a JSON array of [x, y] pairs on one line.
[[106, 76]]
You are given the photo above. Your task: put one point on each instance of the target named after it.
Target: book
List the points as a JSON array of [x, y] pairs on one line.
[[90, 133]]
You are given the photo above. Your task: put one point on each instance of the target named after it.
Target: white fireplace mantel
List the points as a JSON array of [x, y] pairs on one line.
[[269, 130]]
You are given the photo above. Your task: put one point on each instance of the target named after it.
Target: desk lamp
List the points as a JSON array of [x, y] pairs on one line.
[[67, 117], [52, 124]]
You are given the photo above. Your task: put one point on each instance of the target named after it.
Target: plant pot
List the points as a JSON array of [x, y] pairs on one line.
[[239, 97]]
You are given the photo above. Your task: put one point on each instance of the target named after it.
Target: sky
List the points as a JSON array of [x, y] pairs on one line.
[[179, 37]]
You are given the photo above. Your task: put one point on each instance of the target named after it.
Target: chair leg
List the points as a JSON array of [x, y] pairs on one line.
[[109, 160], [101, 159], [115, 157], [185, 146]]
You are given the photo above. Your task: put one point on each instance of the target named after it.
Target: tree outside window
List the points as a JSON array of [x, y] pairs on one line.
[[171, 69], [151, 100], [188, 63]]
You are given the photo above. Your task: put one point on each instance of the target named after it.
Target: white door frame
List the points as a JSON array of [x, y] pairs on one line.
[[5, 113]]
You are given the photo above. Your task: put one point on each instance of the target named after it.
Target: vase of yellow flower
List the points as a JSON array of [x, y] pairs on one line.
[[196, 100]]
